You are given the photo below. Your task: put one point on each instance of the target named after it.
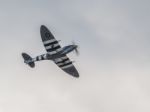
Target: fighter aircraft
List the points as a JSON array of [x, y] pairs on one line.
[[54, 52]]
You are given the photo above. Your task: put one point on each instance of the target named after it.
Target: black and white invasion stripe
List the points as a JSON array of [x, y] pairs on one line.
[[63, 62], [52, 46], [41, 57]]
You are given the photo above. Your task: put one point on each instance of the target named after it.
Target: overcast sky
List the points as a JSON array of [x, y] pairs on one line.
[[114, 60]]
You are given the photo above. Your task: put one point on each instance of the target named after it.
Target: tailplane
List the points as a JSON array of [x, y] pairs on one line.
[[28, 60]]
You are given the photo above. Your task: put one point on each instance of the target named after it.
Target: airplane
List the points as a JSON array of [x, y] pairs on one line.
[[54, 52]]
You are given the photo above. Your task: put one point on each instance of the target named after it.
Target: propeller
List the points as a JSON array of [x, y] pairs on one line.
[[76, 49]]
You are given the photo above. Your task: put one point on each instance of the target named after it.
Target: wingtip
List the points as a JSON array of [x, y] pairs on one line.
[[76, 74], [73, 73], [42, 26]]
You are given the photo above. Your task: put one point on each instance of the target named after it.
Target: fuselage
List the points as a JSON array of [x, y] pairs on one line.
[[65, 50]]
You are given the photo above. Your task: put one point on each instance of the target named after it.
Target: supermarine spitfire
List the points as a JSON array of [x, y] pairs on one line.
[[54, 52]]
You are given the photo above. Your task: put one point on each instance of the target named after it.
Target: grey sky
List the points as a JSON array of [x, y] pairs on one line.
[[114, 59]]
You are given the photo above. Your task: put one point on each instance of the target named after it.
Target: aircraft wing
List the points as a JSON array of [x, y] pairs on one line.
[[66, 65], [50, 43]]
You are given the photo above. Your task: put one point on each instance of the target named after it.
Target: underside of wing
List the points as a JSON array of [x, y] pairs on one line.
[[66, 65], [50, 43]]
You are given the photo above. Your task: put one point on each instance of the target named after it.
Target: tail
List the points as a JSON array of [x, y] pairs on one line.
[[28, 60]]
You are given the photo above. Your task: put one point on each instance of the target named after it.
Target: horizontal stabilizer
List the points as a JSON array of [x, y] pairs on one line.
[[28, 60]]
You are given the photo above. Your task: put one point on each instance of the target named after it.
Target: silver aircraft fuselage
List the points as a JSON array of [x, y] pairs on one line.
[[65, 50]]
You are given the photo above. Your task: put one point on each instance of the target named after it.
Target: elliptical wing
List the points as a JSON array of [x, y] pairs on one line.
[[50, 43], [66, 65]]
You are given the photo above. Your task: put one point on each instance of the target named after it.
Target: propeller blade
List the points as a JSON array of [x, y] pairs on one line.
[[76, 49]]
